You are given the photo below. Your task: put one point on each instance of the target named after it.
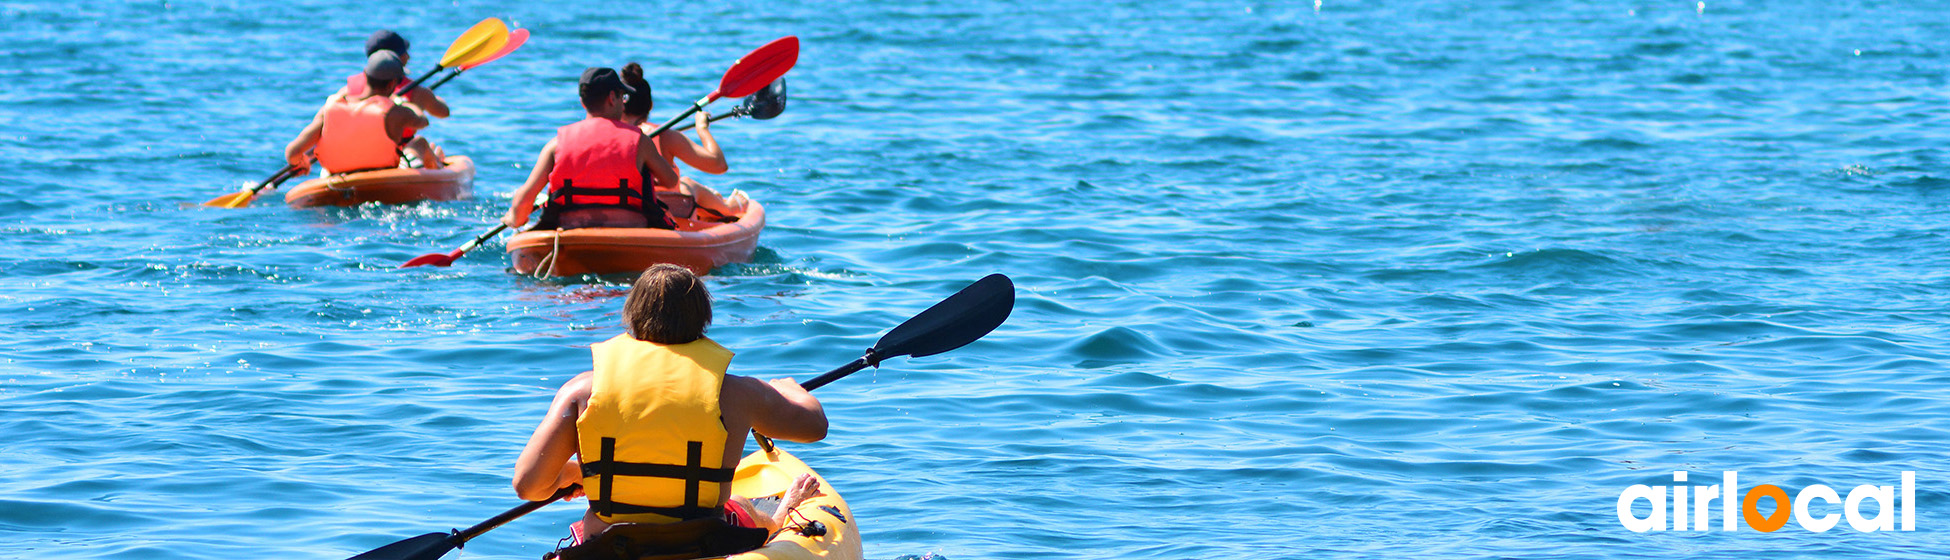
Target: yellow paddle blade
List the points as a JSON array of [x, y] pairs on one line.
[[232, 200], [482, 40]]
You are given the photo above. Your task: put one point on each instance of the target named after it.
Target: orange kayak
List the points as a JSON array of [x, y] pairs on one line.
[[388, 186], [695, 244]]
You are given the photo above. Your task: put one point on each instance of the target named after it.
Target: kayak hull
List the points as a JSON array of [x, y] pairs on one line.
[[697, 245], [387, 186]]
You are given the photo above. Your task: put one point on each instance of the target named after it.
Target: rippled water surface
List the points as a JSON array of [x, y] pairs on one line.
[[1296, 280]]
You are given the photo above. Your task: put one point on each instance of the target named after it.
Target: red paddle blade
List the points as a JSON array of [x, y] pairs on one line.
[[515, 40], [760, 68], [435, 259]]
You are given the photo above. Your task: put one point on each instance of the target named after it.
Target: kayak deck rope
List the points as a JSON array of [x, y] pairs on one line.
[[547, 266], [335, 182]]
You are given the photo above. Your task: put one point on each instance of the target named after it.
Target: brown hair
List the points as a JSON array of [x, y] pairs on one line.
[[667, 305], [639, 103], [376, 87]]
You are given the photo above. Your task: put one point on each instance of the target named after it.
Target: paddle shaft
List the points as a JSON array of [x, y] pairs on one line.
[[739, 112], [483, 238], [688, 111], [283, 175], [409, 85], [836, 374], [288, 172], [443, 81], [510, 515]]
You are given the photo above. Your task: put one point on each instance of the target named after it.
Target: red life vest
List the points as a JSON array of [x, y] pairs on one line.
[[595, 166], [354, 137]]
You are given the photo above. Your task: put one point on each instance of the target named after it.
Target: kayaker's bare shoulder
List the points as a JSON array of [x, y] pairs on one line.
[[573, 398], [779, 409], [577, 390], [734, 401]]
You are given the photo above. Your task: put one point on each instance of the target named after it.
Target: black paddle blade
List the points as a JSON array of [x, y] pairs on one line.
[[430, 546], [964, 317], [768, 102]]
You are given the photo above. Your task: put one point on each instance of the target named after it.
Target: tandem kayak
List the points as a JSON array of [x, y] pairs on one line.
[[821, 528], [387, 186], [696, 244]]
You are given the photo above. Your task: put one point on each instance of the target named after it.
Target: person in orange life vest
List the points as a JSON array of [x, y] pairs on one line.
[[355, 87], [594, 169], [659, 395], [387, 40], [688, 195], [361, 133]]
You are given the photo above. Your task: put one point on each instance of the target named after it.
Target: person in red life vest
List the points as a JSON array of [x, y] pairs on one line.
[[658, 397], [688, 197], [363, 133], [594, 169]]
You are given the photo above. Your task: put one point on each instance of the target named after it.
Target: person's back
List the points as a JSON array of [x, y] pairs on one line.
[[594, 170], [354, 136], [360, 133], [596, 180], [658, 425]]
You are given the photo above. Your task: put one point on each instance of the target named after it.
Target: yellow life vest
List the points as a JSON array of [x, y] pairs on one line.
[[652, 440]]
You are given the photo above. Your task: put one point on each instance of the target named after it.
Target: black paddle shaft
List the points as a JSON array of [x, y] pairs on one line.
[[965, 317], [433, 546]]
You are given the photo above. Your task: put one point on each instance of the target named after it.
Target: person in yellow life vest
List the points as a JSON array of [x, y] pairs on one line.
[[594, 169], [655, 431], [689, 198], [363, 133]]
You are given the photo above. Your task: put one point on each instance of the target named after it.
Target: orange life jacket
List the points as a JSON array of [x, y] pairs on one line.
[[355, 138], [355, 87]]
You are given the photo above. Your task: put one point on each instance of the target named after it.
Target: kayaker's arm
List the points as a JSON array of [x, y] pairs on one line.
[[434, 105], [781, 409], [706, 157], [294, 153], [544, 463], [537, 180], [647, 156], [404, 116]]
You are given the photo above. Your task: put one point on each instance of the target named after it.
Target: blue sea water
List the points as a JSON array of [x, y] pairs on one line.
[[1296, 280]]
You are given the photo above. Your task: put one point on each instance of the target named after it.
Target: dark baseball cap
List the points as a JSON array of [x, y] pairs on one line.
[[601, 81], [385, 65], [385, 40]]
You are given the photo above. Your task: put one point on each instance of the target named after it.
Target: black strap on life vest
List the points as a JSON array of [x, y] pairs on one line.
[[692, 473], [696, 538], [571, 197]]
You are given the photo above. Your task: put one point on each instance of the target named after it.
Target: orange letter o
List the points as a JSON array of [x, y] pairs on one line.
[[1750, 510]]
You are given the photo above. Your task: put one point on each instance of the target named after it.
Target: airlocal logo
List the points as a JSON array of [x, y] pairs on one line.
[[1748, 507]]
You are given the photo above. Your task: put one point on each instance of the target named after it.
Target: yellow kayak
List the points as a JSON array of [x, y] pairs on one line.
[[820, 528], [767, 474]]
